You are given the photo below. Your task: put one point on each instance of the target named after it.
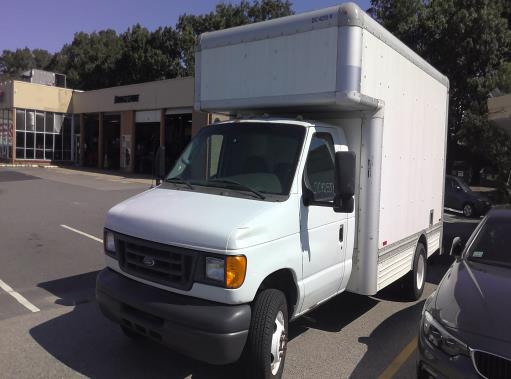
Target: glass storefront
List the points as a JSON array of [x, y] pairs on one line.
[[5, 134], [43, 135]]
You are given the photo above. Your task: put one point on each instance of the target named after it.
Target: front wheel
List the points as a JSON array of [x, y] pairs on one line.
[[468, 210], [265, 351]]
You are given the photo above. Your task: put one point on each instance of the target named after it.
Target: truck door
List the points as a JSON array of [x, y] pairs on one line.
[[323, 231]]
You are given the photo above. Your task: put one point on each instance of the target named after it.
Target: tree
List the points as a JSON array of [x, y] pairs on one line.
[[148, 56], [224, 16], [13, 63], [42, 58], [90, 60], [402, 18]]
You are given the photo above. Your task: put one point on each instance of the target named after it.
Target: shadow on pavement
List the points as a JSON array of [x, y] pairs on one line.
[[454, 227], [400, 328], [334, 315], [88, 343]]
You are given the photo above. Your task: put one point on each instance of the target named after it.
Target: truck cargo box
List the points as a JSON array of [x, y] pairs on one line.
[[326, 64]]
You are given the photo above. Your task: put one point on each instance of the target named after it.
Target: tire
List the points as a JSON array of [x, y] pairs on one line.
[[267, 336], [468, 210], [416, 279]]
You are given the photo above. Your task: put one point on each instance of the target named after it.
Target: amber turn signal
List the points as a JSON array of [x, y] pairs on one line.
[[235, 270]]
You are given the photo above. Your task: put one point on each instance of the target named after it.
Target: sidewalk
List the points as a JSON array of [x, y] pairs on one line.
[[105, 174], [108, 175]]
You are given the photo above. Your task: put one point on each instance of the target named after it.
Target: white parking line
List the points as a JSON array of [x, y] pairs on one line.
[[82, 233], [20, 299]]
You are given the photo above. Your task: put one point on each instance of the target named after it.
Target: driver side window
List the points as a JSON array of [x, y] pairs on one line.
[[320, 167]]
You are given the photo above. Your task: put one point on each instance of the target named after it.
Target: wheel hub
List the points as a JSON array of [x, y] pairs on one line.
[[420, 271], [278, 343]]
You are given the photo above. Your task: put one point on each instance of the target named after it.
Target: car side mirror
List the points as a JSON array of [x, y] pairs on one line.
[[344, 182], [159, 165], [457, 247]]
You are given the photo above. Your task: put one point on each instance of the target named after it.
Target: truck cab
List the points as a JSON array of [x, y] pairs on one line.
[[248, 206]]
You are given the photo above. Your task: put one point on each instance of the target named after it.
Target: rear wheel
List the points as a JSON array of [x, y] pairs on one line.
[[265, 351], [416, 279], [468, 210]]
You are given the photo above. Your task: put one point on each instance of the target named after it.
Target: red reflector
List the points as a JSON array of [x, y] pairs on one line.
[[384, 243]]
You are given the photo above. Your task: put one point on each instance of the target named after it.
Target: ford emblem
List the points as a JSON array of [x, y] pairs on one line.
[[148, 261]]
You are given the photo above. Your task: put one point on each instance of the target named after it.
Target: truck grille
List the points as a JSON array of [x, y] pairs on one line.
[[164, 264], [492, 366]]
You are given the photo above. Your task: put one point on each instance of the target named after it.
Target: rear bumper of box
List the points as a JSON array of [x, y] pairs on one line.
[[208, 331]]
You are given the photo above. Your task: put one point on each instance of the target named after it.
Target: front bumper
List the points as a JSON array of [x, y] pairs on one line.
[[433, 363], [208, 331]]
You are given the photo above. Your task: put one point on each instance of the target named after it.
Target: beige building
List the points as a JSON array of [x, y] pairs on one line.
[[499, 111], [112, 128]]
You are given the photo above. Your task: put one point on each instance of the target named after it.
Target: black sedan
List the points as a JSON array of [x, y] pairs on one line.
[[465, 330], [460, 198]]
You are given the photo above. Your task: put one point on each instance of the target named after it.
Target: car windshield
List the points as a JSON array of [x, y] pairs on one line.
[[492, 244], [255, 157], [464, 186]]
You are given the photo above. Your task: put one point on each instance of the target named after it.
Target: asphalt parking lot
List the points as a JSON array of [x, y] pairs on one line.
[[51, 224]]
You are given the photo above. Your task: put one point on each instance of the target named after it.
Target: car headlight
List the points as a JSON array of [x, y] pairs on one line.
[[109, 242], [229, 271], [439, 337]]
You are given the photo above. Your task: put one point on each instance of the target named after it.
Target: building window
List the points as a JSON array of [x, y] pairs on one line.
[[43, 135]]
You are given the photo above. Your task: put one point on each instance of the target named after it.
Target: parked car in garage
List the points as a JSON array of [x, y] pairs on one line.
[[460, 198], [464, 331]]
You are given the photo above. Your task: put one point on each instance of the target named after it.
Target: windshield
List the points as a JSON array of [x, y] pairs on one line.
[[464, 186], [492, 244], [259, 158]]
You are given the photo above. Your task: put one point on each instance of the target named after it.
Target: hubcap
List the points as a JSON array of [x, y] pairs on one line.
[[420, 271], [278, 343], [467, 210]]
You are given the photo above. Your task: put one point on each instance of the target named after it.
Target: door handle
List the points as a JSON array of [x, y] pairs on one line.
[[341, 233]]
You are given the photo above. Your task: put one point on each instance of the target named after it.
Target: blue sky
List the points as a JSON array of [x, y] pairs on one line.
[[49, 24]]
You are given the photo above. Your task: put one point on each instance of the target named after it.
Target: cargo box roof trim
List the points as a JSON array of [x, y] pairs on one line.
[[348, 14]]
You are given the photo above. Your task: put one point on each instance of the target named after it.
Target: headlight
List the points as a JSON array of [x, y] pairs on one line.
[[109, 242], [215, 269], [229, 271], [436, 335]]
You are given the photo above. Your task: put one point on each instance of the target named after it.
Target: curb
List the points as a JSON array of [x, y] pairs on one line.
[[26, 165]]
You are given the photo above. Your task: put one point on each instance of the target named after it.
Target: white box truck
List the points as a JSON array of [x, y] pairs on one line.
[[267, 216]]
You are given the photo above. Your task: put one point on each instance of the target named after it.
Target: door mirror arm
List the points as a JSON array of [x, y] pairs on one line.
[[457, 247]]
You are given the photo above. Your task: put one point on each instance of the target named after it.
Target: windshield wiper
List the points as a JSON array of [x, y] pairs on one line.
[[179, 180], [240, 186]]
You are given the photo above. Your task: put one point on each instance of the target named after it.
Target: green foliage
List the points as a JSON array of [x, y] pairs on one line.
[[13, 63], [90, 60], [401, 17]]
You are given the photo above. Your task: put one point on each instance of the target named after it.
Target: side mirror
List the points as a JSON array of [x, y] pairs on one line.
[[344, 185], [159, 164], [457, 247]]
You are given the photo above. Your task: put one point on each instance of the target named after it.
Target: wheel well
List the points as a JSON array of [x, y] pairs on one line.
[[424, 241], [284, 281]]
